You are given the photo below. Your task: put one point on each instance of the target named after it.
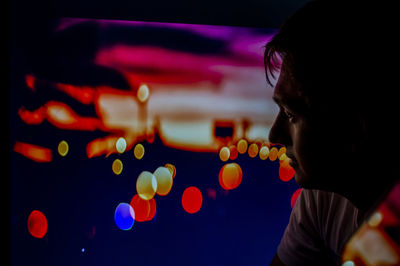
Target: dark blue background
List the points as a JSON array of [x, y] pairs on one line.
[[240, 227], [79, 195]]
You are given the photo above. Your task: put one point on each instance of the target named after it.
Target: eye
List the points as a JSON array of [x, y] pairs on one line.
[[289, 115]]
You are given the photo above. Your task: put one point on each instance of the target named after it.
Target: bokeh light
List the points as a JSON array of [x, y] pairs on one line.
[[295, 195], [273, 154], [281, 151], [286, 171], [264, 152], [233, 152], [143, 93], [141, 208], [36, 153], [164, 180], [224, 154], [242, 146], [230, 176], [37, 224], [63, 148], [146, 185], [253, 150], [138, 151], [153, 208], [285, 162], [124, 216], [348, 263], [171, 168], [144, 209], [117, 166], [192, 199], [120, 145], [375, 219], [283, 157]]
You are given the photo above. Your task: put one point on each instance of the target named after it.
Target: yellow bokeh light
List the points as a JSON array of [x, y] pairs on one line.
[[273, 154], [283, 157], [253, 150], [63, 148], [171, 168], [285, 162], [224, 154], [242, 146], [138, 151], [146, 185], [375, 219], [164, 180], [117, 166], [143, 93], [120, 145], [264, 152], [281, 152]]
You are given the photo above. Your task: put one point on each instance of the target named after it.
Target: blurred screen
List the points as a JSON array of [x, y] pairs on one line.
[[141, 143]]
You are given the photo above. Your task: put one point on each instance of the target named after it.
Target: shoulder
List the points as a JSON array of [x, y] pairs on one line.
[[320, 222]]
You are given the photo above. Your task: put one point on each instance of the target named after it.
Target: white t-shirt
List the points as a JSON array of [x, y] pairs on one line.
[[320, 225]]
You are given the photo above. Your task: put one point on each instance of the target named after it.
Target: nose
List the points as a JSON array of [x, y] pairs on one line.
[[279, 133]]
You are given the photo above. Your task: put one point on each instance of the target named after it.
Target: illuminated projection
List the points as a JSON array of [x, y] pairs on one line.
[[141, 138]]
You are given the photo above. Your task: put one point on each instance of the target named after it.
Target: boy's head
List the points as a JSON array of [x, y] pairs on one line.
[[337, 116]]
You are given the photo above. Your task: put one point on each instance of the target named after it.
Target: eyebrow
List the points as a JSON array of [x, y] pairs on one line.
[[295, 104]]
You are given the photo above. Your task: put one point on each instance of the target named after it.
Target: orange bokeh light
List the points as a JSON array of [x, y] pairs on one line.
[[253, 150], [36, 153], [62, 116], [171, 168], [192, 199], [32, 117], [242, 146], [83, 94], [230, 176], [273, 154]]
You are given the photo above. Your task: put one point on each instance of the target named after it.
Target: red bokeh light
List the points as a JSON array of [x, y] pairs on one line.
[[36, 153], [30, 81], [286, 172], [37, 224], [192, 199], [144, 209], [233, 152], [295, 195]]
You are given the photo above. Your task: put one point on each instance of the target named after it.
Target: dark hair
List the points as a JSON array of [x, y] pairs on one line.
[[331, 48], [315, 35]]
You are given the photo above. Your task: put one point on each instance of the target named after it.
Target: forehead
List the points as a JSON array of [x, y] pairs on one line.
[[287, 89]]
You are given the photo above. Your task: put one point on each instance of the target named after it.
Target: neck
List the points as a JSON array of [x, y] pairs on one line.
[[367, 195]]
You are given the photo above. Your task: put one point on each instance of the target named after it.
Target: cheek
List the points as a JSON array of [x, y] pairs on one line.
[[304, 159], [301, 146], [307, 148]]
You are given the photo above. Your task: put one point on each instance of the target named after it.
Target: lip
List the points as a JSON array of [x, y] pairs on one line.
[[292, 163]]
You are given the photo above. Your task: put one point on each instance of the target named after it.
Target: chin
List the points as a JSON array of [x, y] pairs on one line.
[[305, 181], [300, 180]]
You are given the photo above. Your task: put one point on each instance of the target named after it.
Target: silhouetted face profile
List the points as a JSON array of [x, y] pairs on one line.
[[319, 135], [338, 108], [291, 126]]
